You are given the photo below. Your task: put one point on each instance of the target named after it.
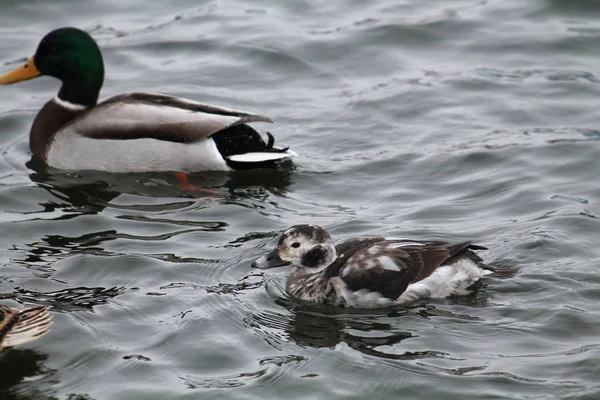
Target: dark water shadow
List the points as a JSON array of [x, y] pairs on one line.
[[316, 325], [88, 192], [39, 255], [73, 194], [18, 365], [374, 332], [371, 332], [23, 375]]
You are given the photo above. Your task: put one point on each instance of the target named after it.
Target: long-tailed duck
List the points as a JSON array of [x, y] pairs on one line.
[[375, 272], [18, 326]]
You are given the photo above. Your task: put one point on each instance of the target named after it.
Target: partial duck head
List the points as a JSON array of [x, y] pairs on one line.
[[68, 54], [304, 246]]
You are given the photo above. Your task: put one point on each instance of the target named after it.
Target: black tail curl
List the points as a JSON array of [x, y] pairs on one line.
[[242, 139], [270, 144]]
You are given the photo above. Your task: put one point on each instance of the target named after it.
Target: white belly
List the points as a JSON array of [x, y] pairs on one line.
[[70, 151], [446, 280]]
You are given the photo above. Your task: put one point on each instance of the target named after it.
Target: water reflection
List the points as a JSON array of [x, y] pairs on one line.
[[72, 299], [78, 194], [54, 247], [326, 326], [91, 191], [377, 333], [258, 183], [24, 376], [40, 254], [17, 366], [224, 382]]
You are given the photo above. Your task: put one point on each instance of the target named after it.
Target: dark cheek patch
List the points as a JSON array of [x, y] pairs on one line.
[[314, 258]]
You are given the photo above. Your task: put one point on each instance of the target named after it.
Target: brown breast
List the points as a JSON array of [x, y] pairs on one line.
[[49, 120]]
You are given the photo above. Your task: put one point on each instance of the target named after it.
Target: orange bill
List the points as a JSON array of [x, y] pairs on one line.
[[24, 72]]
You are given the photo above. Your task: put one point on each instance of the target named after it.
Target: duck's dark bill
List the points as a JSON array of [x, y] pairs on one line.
[[270, 260], [24, 72]]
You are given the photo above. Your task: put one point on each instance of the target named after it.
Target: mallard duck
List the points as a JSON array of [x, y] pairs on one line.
[[135, 132], [18, 326], [375, 272]]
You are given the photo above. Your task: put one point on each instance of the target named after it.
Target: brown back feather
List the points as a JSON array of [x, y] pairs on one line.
[[415, 262], [390, 283], [346, 250]]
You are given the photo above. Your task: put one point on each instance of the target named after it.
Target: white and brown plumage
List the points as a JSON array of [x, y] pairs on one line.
[[18, 326], [375, 272]]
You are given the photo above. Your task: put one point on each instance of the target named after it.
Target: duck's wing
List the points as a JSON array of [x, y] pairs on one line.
[[389, 266], [18, 326], [157, 116]]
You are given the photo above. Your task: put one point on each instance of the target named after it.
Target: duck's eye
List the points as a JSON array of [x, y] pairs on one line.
[[295, 245], [53, 49]]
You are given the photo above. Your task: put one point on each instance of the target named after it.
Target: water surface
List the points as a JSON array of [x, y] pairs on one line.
[[426, 119]]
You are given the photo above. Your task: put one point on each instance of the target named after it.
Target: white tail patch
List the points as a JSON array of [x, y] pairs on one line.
[[262, 156], [446, 280]]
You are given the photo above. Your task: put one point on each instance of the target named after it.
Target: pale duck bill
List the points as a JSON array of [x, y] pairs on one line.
[[270, 260]]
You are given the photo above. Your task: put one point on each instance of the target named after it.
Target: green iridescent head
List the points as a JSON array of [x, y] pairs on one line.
[[68, 54]]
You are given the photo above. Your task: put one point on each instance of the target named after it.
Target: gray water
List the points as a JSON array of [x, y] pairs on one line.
[[424, 119]]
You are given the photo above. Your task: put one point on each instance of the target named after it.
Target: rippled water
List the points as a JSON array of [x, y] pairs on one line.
[[428, 119]]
